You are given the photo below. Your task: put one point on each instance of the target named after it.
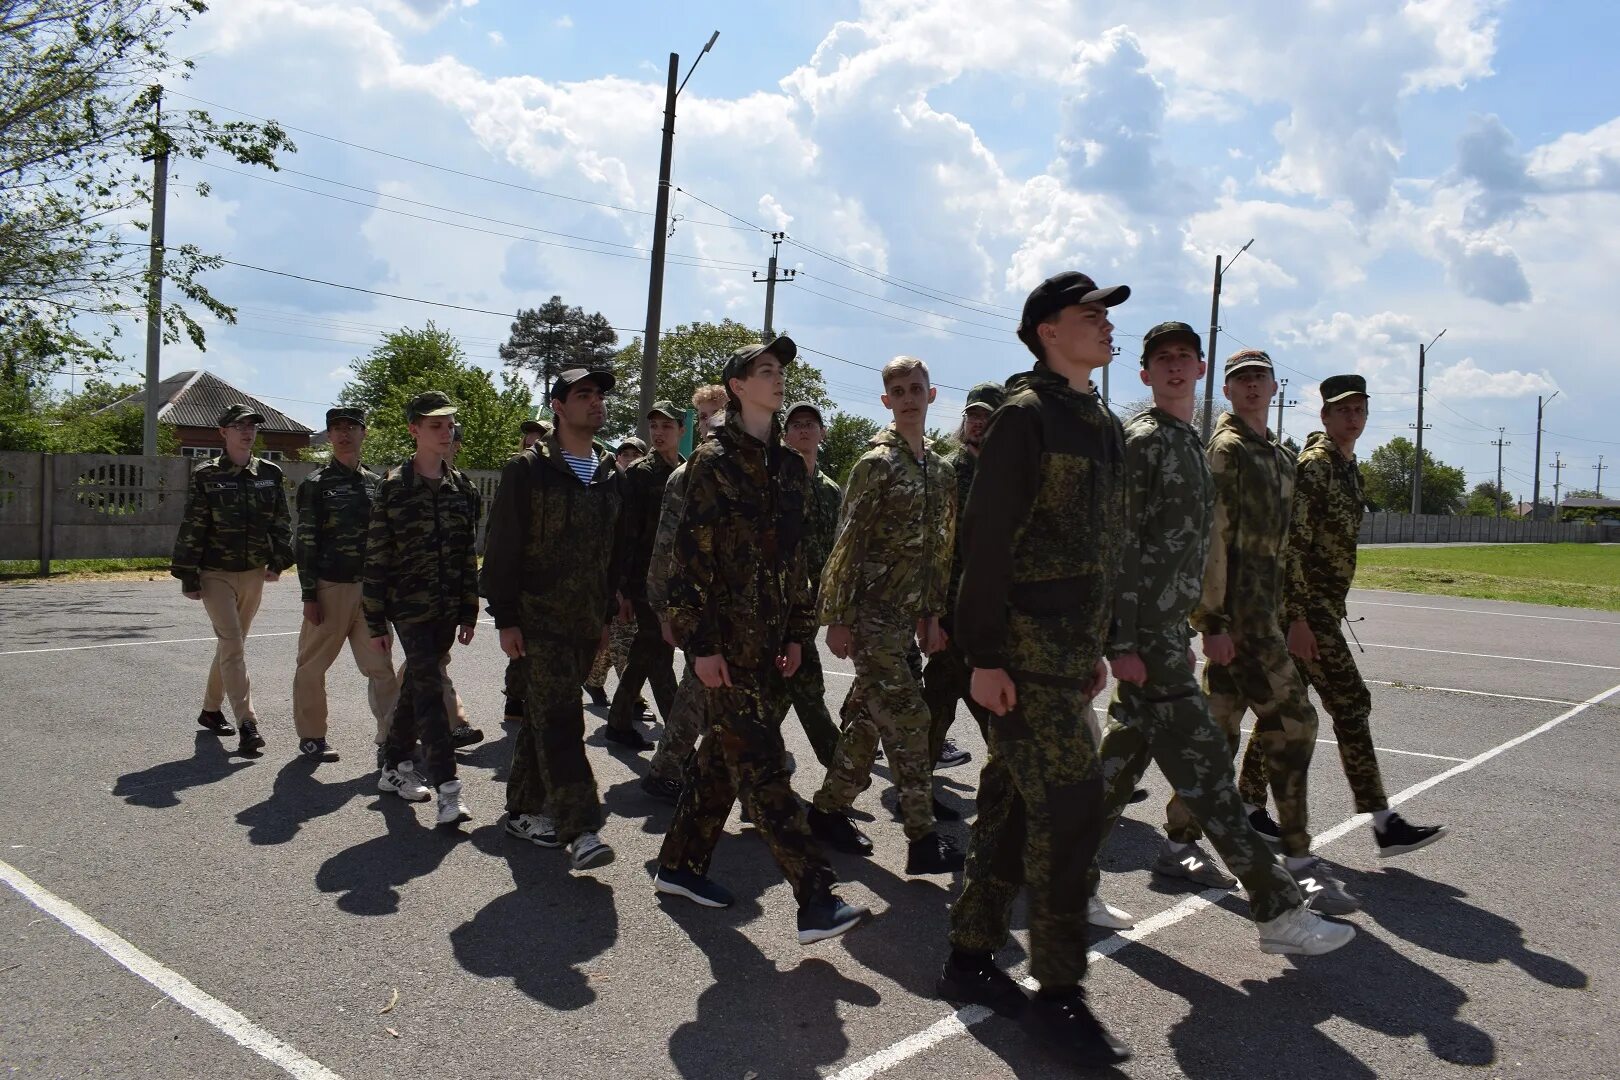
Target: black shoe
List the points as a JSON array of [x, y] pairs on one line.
[[465, 735], [934, 854], [251, 742], [951, 755], [838, 832], [514, 709], [981, 983], [598, 695], [827, 917], [1139, 795], [626, 737], [317, 749], [659, 788], [215, 721], [1398, 836], [1261, 822], [945, 813], [646, 709], [695, 887], [1067, 1023]]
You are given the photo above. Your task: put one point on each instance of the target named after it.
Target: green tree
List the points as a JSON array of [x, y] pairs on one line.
[[1386, 478], [90, 421], [945, 443], [691, 356], [847, 439], [1486, 500], [555, 337]]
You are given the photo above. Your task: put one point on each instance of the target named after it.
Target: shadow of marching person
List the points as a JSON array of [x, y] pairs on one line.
[[368, 876], [297, 797], [159, 786]]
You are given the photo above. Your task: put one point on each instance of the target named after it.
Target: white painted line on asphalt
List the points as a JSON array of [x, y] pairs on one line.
[[174, 986], [1491, 656], [1381, 749], [1471, 693], [1487, 611], [123, 644], [964, 1018]]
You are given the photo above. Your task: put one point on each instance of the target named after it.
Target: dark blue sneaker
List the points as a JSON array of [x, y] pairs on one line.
[[827, 917], [695, 887]]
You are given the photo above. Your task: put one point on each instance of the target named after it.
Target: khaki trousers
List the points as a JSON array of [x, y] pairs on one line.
[[342, 620], [231, 600]]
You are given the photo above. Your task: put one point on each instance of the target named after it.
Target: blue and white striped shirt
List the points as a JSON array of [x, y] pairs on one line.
[[584, 467]]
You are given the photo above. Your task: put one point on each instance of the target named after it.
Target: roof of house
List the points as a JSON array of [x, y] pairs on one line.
[[1585, 501], [196, 399]]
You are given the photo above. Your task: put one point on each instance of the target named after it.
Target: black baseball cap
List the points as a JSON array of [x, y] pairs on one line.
[[1339, 387], [632, 443], [1167, 332], [357, 416], [798, 405], [238, 411], [565, 381], [1247, 358], [781, 347], [1065, 290], [668, 411], [986, 395], [430, 403]]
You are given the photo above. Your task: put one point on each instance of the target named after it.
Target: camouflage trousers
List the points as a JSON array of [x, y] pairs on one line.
[[616, 652], [651, 660], [807, 695], [741, 753], [1167, 721], [1262, 677], [550, 774], [1039, 827], [683, 725], [945, 682], [421, 712], [885, 703], [1345, 697]]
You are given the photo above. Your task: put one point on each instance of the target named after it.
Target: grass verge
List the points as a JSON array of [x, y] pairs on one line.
[[1560, 575], [24, 570]]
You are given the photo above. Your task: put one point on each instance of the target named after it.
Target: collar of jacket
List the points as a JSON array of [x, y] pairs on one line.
[[1166, 418], [550, 451], [224, 463], [411, 478], [1042, 377], [358, 470], [1320, 438], [890, 436], [1231, 421], [737, 437]]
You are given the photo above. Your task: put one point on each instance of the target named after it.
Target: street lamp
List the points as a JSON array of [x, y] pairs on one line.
[[1214, 330]]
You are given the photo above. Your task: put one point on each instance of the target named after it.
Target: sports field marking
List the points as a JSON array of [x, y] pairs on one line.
[[173, 986], [124, 644], [1487, 611], [964, 1018], [1382, 749], [1491, 656], [1472, 693]]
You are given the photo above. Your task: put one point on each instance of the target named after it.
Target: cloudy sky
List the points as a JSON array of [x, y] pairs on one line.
[[1403, 169]]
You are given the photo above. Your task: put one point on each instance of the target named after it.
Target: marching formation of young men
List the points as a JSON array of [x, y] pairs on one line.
[[1057, 544]]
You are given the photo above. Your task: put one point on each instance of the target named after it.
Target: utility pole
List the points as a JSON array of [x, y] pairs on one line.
[[1599, 468], [154, 277], [1214, 331], [770, 279], [1417, 458], [1535, 498], [1499, 443], [1282, 392], [1558, 475], [655, 279]]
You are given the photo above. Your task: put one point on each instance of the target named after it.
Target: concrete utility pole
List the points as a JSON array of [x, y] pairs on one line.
[[1498, 443], [1417, 458], [1599, 468], [1214, 332], [655, 279], [154, 278], [1535, 499], [1558, 476], [1282, 393], [770, 279]]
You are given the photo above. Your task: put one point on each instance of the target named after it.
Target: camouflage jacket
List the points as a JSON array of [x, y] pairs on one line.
[[662, 561], [235, 519], [421, 551], [1169, 500], [1254, 491], [1328, 504], [964, 463], [820, 527], [549, 549], [738, 587], [1043, 532], [334, 516], [643, 490], [891, 559]]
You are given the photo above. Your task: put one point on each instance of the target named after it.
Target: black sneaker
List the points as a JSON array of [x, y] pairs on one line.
[[598, 695], [317, 749], [251, 741], [215, 721], [1138, 795], [980, 982], [950, 756], [934, 854], [945, 813], [465, 735], [695, 887], [1068, 1024], [1261, 822], [629, 738], [838, 832], [1398, 836], [514, 709], [659, 788], [827, 917], [646, 710]]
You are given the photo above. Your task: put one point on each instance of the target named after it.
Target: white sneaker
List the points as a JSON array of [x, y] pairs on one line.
[[535, 827], [1100, 912], [404, 782], [452, 811], [587, 851], [1302, 932]]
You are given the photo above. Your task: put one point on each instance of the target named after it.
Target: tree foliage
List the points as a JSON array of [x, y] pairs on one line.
[[1486, 500], [82, 422], [1386, 477], [847, 439], [555, 337]]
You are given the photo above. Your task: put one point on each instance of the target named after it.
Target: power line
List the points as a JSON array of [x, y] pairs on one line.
[[1577, 438], [897, 303], [900, 318], [869, 367]]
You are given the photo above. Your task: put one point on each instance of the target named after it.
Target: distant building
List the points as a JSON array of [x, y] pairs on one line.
[[191, 401]]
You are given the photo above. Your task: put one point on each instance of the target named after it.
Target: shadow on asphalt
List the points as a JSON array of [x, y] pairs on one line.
[[298, 796], [367, 877], [159, 786]]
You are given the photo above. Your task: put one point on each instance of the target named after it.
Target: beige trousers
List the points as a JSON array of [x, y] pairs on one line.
[[342, 621], [231, 600]]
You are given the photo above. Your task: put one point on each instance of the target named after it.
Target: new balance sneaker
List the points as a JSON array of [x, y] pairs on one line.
[[950, 756], [536, 828], [1068, 1024], [403, 781], [660, 788], [1192, 864], [587, 851], [975, 980], [827, 917], [1261, 822], [695, 887], [1323, 891], [838, 832], [452, 811], [251, 741], [1100, 912], [933, 854], [214, 720], [465, 735], [1398, 836], [1302, 932], [317, 749]]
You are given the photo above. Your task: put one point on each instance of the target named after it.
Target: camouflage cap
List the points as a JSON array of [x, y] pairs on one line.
[[565, 382], [353, 415], [668, 411], [1247, 358], [537, 427], [781, 347], [429, 403], [632, 443], [986, 395], [238, 411], [1339, 387], [804, 406], [1169, 332], [1065, 290]]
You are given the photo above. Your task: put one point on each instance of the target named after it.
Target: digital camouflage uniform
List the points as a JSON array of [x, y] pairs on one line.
[[421, 576], [807, 689], [334, 518], [1242, 594], [1041, 545], [1328, 504], [738, 590], [651, 658], [548, 560], [946, 678], [615, 654], [1169, 499], [684, 723], [235, 527], [890, 566]]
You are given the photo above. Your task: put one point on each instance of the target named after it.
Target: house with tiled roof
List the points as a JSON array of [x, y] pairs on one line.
[[190, 402]]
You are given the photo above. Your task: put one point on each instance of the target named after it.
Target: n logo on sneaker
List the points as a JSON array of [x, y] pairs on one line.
[[1193, 863], [1309, 885]]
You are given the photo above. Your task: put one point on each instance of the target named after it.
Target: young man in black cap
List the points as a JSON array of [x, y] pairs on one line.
[[548, 558], [739, 602], [235, 535], [1040, 554]]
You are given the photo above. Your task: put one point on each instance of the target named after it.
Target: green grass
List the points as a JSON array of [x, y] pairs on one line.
[[20, 569], [1562, 575]]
